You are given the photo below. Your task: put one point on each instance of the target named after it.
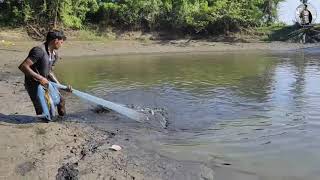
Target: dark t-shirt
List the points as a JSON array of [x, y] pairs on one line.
[[42, 62]]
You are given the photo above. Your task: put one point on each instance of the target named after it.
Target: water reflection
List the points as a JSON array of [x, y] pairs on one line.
[[197, 73]]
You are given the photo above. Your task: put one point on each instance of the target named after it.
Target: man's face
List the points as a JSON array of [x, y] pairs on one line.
[[57, 43]]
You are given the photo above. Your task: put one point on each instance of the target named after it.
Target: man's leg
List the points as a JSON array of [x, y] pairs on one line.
[[62, 106], [32, 91]]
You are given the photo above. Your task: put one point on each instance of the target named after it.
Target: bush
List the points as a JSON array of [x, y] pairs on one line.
[[187, 16]]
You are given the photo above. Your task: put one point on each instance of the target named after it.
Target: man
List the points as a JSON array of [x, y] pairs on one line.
[[37, 68], [305, 16]]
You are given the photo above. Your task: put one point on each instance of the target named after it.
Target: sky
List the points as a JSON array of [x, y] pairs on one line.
[[287, 9]]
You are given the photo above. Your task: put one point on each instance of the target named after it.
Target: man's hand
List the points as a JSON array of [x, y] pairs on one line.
[[69, 89], [44, 82]]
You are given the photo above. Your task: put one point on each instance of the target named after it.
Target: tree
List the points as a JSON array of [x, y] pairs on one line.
[[186, 16]]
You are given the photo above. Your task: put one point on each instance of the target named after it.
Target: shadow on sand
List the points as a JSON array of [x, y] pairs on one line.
[[25, 119], [17, 119]]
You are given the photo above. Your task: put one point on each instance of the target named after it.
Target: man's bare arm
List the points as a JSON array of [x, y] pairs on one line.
[[53, 78], [25, 67]]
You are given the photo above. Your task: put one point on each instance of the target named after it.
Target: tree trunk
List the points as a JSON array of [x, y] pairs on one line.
[[56, 14], [268, 10]]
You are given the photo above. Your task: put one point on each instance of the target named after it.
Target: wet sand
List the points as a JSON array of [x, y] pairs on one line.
[[55, 150]]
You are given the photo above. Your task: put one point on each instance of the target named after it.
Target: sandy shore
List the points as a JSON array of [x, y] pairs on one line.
[[56, 150]]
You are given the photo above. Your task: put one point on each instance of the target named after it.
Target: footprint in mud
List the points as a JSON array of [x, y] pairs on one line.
[[25, 167], [100, 109], [68, 172]]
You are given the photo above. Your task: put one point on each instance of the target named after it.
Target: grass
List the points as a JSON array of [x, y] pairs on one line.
[[9, 34], [277, 32], [86, 35], [93, 35]]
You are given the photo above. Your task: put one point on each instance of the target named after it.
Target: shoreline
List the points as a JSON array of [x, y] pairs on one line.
[[50, 150], [130, 47]]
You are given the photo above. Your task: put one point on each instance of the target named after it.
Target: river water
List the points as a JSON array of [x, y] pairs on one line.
[[255, 113]]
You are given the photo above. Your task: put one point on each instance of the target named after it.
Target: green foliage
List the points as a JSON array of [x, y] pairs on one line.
[[188, 16], [9, 13], [133, 14], [73, 12]]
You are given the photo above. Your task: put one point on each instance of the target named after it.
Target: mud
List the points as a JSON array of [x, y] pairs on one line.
[[68, 172]]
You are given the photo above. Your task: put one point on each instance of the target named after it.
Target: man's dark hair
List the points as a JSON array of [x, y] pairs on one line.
[[55, 34]]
